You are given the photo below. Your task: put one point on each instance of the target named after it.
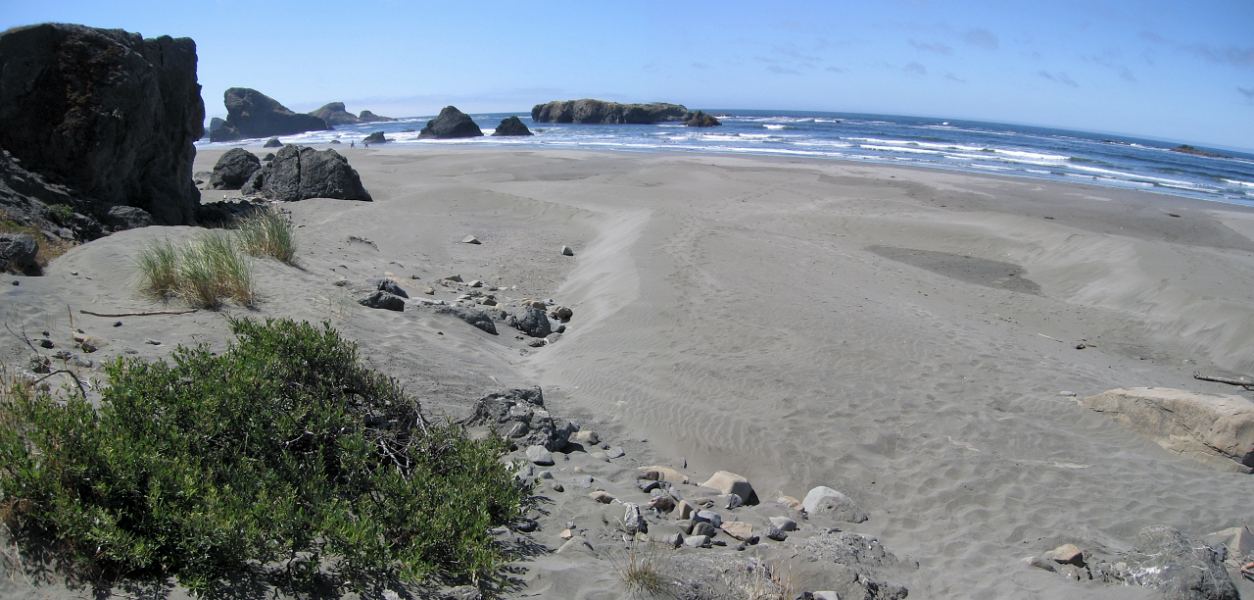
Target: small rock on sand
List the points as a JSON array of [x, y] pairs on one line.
[[383, 300], [602, 496], [1067, 554], [738, 529], [470, 239], [539, 455], [660, 473], [825, 500], [727, 482], [697, 541], [566, 251]]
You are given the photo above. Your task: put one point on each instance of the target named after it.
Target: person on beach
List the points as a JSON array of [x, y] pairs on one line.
[[352, 143]]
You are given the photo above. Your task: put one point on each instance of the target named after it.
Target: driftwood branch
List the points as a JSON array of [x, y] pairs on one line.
[[82, 390], [139, 314], [1242, 381]]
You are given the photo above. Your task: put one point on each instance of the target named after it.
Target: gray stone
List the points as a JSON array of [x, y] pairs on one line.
[[776, 533], [478, 318], [272, 143], [127, 217], [633, 521], [501, 411], [697, 541], [615, 452], [511, 126], [532, 321], [703, 528], [539, 455], [823, 500], [784, 523], [708, 516], [383, 300], [450, 123], [566, 251], [252, 114], [17, 253], [387, 285]]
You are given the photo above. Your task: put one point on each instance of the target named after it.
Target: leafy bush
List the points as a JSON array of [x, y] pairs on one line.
[[281, 450], [206, 271], [268, 232]]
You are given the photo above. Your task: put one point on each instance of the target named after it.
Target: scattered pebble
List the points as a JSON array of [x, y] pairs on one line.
[[566, 251], [470, 239]]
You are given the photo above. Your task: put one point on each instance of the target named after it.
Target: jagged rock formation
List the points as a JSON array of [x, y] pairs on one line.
[[99, 118], [600, 111], [252, 114], [511, 126], [451, 123], [299, 172]]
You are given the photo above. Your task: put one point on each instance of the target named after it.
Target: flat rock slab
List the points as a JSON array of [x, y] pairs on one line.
[[1216, 429]]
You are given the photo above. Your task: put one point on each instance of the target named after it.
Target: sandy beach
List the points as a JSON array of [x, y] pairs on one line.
[[916, 339]]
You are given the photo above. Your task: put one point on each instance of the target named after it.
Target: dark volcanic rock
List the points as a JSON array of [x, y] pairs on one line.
[[383, 300], [451, 123], [252, 114], [532, 321], [384, 284], [701, 119], [272, 143], [1195, 151], [376, 138], [300, 172], [511, 126], [215, 124], [17, 253], [107, 114], [127, 217], [600, 111], [369, 117], [233, 169], [477, 318], [334, 114]]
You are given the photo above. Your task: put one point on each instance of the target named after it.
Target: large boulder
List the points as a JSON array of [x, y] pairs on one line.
[[376, 138], [600, 111], [108, 114], [511, 126], [233, 169], [300, 172], [532, 321], [701, 119], [252, 114], [334, 114], [1217, 429], [519, 416], [369, 117], [451, 123]]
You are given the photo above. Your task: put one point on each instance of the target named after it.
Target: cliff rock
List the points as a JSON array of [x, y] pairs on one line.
[[252, 114], [600, 111]]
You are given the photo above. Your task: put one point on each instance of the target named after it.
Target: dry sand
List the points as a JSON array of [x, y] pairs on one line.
[[902, 335]]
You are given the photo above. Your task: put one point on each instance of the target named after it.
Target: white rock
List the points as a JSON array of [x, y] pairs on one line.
[[825, 500], [784, 523], [470, 239], [539, 455], [727, 482]]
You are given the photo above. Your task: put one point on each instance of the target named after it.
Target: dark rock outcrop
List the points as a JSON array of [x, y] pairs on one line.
[[233, 169], [127, 217], [252, 114], [273, 143], [369, 117], [600, 111], [17, 253], [108, 115], [1195, 151], [384, 284], [334, 114], [451, 123], [376, 138], [300, 172], [215, 124], [511, 126], [701, 119]]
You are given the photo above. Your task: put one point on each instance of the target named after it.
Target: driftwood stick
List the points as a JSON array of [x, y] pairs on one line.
[[1242, 381], [139, 314], [82, 390]]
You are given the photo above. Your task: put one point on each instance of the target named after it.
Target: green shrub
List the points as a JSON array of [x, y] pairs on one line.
[[268, 233], [282, 450], [61, 213]]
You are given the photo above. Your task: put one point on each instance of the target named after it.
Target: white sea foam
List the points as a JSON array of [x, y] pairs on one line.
[[775, 126], [1239, 183]]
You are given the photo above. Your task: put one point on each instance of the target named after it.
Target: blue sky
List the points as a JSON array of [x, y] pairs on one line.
[[1181, 71]]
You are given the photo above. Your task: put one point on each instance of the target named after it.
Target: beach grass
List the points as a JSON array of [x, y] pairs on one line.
[[204, 273], [269, 233]]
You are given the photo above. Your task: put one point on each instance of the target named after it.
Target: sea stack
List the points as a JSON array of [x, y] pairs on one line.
[[600, 111], [450, 124], [252, 114], [107, 117], [334, 114], [511, 126], [701, 119]]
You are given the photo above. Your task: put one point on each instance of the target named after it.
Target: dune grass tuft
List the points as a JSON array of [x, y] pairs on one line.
[[204, 273], [269, 233]]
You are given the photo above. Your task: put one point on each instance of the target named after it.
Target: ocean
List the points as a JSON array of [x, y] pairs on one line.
[[953, 144]]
